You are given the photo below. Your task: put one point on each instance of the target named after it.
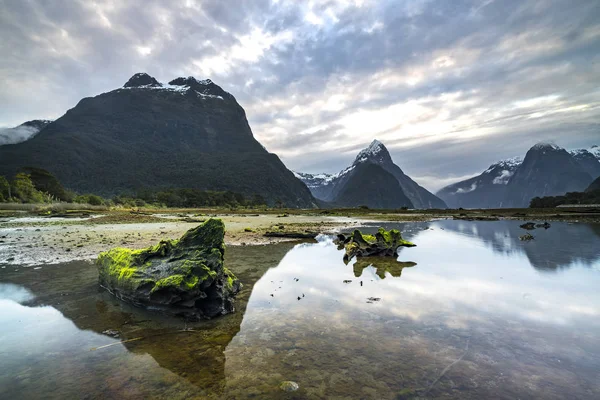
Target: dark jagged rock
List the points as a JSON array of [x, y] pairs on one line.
[[545, 225], [526, 237], [142, 79], [382, 265], [528, 225], [382, 244], [184, 277]]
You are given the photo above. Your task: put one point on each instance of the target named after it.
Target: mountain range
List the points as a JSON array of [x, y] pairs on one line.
[[191, 133], [546, 170], [149, 135], [360, 183]]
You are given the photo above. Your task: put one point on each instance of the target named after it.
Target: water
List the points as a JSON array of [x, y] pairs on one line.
[[475, 314]]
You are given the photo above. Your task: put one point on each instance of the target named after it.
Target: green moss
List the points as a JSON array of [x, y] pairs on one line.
[[369, 238], [230, 278]]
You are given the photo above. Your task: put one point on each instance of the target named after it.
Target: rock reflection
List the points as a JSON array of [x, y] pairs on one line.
[[193, 351], [381, 265]]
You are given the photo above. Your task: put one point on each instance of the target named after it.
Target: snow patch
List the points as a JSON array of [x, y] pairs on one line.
[[546, 146], [374, 149], [509, 164], [593, 150], [182, 89]]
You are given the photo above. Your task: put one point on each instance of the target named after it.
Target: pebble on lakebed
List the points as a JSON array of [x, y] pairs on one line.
[[289, 386]]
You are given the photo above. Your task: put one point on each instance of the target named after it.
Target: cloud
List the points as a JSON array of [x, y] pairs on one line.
[[17, 135], [467, 190], [503, 178], [449, 87]]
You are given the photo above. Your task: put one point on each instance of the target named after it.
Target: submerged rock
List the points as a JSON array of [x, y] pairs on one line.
[[382, 244], [289, 386], [184, 277], [526, 237], [528, 225]]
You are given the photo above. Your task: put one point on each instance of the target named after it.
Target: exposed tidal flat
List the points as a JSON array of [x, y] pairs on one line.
[[476, 313]]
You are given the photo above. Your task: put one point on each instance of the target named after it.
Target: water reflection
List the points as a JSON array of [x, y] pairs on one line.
[[59, 314], [561, 246], [382, 266], [468, 321]]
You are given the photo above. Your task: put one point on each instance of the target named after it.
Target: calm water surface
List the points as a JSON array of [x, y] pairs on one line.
[[473, 313]]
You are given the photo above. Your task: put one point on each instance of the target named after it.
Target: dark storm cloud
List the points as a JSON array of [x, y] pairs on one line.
[[448, 86]]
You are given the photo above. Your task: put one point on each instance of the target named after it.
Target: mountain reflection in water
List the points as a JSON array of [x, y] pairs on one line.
[[373, 329]]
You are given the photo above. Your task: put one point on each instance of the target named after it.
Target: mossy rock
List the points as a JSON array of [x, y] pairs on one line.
[[183, 277], [382, 244]]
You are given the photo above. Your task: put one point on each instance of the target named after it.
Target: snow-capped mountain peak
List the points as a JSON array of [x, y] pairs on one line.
[[509, 164], [543, 146], [376, 152]]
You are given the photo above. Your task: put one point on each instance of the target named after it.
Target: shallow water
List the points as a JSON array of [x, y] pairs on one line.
[[480, 315]]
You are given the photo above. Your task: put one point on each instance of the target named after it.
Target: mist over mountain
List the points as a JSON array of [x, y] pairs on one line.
[[333, 187], [23, 132], [148, 135]]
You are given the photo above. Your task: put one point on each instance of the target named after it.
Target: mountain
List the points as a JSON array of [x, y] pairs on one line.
[[371, 185], [594, 186], [588, 159], [148, 135], [329, 187], [319, 184], [486, 190], [547, 170], [22, 132]]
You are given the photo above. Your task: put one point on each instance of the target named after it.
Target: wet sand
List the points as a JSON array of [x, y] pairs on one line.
[[31, 239], [35, 241]]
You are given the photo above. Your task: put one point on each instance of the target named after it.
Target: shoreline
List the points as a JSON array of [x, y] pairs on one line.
[[33, 240]]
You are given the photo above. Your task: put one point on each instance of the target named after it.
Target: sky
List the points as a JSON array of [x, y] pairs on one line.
[[448, 86]]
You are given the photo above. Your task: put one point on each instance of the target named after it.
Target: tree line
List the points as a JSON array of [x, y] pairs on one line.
[[36, 185], [569, 198]]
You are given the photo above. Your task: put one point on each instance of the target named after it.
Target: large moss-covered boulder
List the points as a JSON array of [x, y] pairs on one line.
[[382, 244], [183, 277]]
